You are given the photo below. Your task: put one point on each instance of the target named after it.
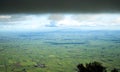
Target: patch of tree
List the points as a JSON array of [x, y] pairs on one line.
[[93, 67], [2, 49], [75, 43], [116, 41], [40, 65]]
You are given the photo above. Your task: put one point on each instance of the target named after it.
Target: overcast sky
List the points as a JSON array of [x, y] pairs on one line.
[[37, 21], [60, 6]]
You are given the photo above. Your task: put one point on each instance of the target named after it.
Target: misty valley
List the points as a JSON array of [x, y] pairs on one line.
[[58, 50]]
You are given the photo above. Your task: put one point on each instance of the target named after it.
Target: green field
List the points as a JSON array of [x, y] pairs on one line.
[[58, 51]]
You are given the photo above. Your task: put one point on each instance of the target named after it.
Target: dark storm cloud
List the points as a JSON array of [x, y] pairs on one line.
[[51, 6]]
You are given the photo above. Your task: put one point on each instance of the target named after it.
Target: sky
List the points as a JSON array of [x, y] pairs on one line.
[[39, 21], [38, 14], [59, 6]]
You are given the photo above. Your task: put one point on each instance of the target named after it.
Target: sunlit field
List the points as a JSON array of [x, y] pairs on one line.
[[58, 50]]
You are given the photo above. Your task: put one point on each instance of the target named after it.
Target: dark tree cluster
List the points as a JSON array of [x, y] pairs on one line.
[[93, 67]]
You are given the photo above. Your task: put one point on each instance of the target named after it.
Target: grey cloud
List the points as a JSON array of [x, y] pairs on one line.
[[82, 17], [56, 17], [13, 18]]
